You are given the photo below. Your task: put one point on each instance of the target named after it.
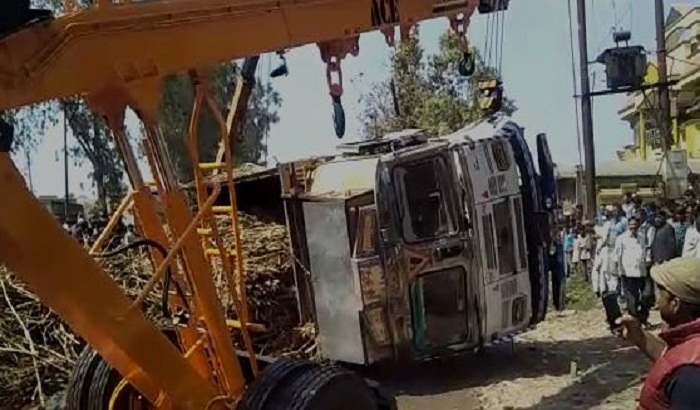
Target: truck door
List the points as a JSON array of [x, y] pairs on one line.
[[499, 232], [431, 249]]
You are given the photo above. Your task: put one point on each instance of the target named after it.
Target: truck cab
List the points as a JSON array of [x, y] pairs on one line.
[[414, 246]]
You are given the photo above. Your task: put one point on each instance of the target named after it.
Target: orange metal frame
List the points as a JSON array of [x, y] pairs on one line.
[[40, 62]]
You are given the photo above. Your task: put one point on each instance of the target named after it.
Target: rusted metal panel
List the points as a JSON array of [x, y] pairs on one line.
[[372, 281], [376, 325], [337, 290]]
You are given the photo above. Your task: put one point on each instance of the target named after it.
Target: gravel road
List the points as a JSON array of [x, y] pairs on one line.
[[570, 362]]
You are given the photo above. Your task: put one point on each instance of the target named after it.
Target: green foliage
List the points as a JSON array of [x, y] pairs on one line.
[[31, 123], [96, 145], [176, 107], [579, 295], [426, 92]]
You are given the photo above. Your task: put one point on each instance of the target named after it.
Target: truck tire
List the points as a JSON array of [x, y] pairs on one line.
[[331, 388], [271, 383], [78, 390], [104, 381]]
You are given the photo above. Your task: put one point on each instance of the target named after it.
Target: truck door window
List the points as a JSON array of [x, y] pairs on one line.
[[505, 238], [464, 193], [500, 155], [425, 210], [487, 227]]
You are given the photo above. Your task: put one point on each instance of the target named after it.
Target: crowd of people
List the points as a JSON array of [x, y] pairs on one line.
[[639, 256], [615, 252], [87, 230]]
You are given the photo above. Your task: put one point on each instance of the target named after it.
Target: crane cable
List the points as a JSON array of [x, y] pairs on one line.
[[503, 34], [494, 39], [573, 76]]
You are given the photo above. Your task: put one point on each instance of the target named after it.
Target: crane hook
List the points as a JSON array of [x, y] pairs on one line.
[[338, 117], [281, 69], [467, 64]]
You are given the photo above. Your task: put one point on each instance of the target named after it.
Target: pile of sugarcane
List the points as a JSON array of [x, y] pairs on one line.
[[37, 350]]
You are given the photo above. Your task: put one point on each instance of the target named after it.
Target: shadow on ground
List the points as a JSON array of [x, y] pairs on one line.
[[604, 366]]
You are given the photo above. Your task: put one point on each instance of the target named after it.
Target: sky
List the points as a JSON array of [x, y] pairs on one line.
[[536, 71]]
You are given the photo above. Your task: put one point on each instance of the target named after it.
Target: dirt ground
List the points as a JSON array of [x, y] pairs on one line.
[[569, 362]]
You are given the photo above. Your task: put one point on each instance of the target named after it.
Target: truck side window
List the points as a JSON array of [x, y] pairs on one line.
[[425, 208], [464, 193], [500, 155]]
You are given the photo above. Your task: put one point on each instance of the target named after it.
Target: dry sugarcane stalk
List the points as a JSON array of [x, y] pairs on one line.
[[32, 351], [269, 285]]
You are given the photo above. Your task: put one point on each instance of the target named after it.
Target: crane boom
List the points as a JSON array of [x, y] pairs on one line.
[[130, 42]]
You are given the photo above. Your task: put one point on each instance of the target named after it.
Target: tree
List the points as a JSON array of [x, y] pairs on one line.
[[430, 95], [178, 99], [30, 124], [95, 143]]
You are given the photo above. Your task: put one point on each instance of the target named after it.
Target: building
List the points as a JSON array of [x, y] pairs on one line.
[[56, 206], [640, 108]]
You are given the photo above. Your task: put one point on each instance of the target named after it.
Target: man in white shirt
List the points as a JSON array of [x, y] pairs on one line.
[[603, 279], [130, 236], [630, 250], [691, 243]]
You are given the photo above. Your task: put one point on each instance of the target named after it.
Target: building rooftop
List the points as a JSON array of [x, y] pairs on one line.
[[678, 11], [625, 168]]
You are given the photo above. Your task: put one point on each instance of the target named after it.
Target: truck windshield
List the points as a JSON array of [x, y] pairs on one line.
[[425, 210]]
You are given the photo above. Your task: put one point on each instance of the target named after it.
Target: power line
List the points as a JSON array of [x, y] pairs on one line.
[[503, 31], [573, 76]]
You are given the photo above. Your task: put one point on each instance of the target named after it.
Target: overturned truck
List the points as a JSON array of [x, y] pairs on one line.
[[413, 246]]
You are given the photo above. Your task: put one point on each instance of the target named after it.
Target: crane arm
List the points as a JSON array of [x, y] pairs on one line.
[[135, 41]]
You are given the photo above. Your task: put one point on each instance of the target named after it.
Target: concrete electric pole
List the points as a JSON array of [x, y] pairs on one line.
[[586, 114], [664, 94]]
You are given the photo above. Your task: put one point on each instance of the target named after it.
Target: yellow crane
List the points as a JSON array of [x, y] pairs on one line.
[[116, 54]]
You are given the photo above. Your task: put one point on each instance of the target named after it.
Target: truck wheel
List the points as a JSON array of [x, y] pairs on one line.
[[78, 390], [92, 383], [331, 388], [271, 383], [104, 382]]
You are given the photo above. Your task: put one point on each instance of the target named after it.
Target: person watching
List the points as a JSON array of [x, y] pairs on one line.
[[673, 382]]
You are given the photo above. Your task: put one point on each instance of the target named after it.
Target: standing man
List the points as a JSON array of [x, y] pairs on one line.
[[629, 205], [630, 248], [569, 239], [604, 276], [674, 379], [682, 222], [663, 247], [648, 230], [691, 242], [585, 246]]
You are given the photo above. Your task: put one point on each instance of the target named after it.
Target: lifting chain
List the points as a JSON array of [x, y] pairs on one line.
[[467, 64], [332, 53]]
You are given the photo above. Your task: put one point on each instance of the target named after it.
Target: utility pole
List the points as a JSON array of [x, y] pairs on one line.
[[66, 203], [586, 113], [664, 95]]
